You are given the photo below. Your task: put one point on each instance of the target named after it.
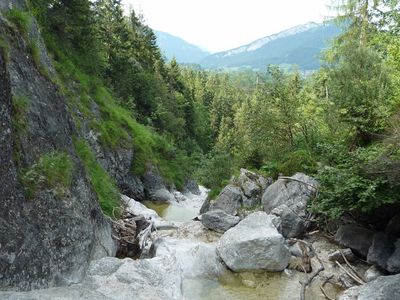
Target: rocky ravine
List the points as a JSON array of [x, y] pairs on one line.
[[188, 252]]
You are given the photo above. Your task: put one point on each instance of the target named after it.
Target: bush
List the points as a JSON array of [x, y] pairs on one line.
[[215, 171], [346, 186], [52, 171], [298, 161]]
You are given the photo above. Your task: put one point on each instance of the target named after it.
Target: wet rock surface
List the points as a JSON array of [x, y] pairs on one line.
[[112, 278]]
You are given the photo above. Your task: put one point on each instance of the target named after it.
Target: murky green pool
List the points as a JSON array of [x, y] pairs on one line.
[[173, 212]]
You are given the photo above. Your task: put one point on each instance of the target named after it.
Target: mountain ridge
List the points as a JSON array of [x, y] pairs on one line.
[[175, 47]]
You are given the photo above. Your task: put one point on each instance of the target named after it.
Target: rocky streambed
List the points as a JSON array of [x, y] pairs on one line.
[[242, 246]]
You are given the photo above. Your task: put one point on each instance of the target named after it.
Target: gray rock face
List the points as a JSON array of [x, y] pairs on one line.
[[229, 200], [393, 263], [110, 278], [288, 199], [393, 227], [355, 237], [252, 185], [254, 245], [155, 188], [381, 249], [191, 186], [10, 4], [48, 240], [382, 288], [218, 220]]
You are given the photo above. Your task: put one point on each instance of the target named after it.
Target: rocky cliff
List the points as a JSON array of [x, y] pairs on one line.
[[51, 225]]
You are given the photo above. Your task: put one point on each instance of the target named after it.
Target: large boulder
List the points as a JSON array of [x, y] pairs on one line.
[[393, 263], [229, 200], [218, 220], [381, 249], [288, 199], [357, 238], [252, 185], [111, 278], [195, 259], [155, 188], [190, 186], [393, 227], [382, 288], [254, 245]]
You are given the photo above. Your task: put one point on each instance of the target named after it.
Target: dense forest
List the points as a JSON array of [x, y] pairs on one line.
[[341, 123]]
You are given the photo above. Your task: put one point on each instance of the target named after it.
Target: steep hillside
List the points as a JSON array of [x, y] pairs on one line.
[[184, 52], [300, 45], [51, 222], [69, 148]]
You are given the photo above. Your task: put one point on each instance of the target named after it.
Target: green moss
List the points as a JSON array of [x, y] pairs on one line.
[[52, 171], [20, 108], [105, 188], [21, 19]]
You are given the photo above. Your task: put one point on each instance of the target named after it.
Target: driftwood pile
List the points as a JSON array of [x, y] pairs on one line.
[[132, 234]]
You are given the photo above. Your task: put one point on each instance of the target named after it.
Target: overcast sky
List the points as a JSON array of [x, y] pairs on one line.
[[220, 25]]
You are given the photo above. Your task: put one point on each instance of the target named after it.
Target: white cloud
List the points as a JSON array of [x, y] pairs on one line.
[[224, 24]]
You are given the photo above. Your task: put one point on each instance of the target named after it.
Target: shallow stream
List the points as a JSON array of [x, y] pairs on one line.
[[236, 286]]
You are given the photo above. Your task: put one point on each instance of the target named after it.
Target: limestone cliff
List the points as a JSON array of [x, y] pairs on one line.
[[48, 237]]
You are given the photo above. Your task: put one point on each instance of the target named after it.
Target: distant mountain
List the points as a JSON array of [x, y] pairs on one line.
[[300, 45], [184, 52]]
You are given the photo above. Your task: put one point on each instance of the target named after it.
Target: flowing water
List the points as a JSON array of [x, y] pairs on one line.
[[234, 286]]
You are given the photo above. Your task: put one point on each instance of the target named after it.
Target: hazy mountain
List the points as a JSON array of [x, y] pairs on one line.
[[184, 52], [300, 45]]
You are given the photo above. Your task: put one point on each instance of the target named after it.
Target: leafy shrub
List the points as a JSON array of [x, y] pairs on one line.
[[215, 171], [52, 171], [346, 186], [298, 161]]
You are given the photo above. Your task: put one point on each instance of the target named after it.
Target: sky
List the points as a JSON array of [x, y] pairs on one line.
[[218, 25]]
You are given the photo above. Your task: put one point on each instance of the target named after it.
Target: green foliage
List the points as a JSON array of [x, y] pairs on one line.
[[104, 186], [52, 171], [345, 185], [298, 161], [19, 119], [214, 171], [21, 19]]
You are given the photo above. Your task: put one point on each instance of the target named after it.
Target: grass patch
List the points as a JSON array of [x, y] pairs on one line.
[[117, 126], [105, 188], [21, 19], [52, 171], [34, 51], [19, 119]]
